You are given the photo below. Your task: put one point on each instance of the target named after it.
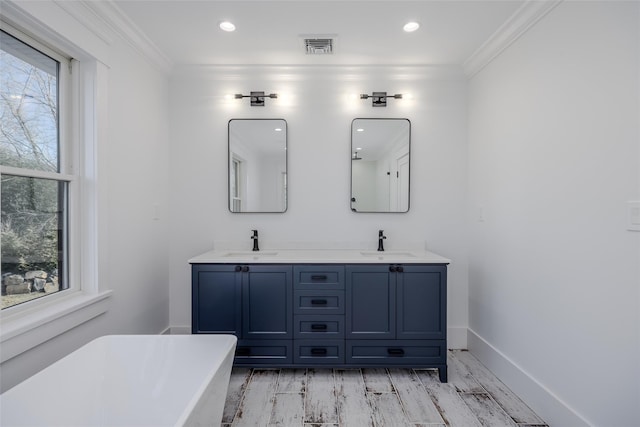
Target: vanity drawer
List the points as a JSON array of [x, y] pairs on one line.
[[314, 352], [256, 352], [319, 326], [396, 352], [318, 277], [318, 302]]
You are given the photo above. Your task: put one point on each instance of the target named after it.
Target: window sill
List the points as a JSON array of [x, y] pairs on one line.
[[24, 330]]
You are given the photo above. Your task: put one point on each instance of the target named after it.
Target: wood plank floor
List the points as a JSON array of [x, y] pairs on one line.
[[473, 397]]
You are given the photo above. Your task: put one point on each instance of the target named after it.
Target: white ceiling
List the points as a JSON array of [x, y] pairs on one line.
[[367, 32]]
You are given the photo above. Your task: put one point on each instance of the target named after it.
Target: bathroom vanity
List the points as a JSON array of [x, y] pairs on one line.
[[310, 308]]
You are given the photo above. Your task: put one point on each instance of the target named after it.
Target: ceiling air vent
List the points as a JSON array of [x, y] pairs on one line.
[[318, 46]]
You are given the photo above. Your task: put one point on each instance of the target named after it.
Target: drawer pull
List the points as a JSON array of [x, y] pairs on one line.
[[243, 351], [395, 352], [319, 277], [318, 302], [318, 327], [319, 351]]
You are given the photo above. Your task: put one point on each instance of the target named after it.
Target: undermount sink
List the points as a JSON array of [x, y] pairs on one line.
[[387, 254], [250, 254]]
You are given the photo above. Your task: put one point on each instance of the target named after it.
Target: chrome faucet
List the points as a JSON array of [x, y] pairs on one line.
[[381, 237], [255, 240]]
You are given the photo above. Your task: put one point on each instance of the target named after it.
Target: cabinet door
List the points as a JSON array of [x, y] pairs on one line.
[[267, 303], [216, 299], [370, 302], [422, 302]]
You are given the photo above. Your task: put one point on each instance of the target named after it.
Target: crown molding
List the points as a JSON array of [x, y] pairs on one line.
[[119, 23], [517, 25], [81, 13]]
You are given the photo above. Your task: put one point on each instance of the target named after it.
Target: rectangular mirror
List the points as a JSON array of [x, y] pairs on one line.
[[257, 165], [380, 154]]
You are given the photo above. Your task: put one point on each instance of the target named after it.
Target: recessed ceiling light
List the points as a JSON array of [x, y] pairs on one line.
[[410, 27], [359, 130], [227, 26], [278, 129]]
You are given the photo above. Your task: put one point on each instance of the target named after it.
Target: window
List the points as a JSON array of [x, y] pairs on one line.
[[34, 165]]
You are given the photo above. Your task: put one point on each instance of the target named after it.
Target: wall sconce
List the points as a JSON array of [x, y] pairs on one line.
[[257, 98], [379, 99]]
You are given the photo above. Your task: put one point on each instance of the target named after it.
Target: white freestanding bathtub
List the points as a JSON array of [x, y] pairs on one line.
[[128, 380]]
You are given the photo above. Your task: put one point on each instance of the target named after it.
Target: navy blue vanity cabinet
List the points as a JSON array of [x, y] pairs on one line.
[[371, 302], [396, 315], [266, 302], [319, 307], [216, 296], [421, 302], [252, 302], [332, 315]]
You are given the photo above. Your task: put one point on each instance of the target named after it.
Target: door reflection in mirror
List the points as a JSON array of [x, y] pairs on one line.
[[380, 163], [257, 165]]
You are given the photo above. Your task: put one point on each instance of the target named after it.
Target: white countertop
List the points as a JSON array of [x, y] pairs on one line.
[[319, 256]]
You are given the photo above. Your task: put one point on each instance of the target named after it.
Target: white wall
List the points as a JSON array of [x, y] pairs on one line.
[[554, 154], [133, 178], [318, 108]]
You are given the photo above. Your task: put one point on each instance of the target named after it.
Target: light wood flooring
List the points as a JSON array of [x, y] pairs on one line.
[[473, 397]]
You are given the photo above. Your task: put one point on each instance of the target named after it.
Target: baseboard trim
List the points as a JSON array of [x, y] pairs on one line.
[[457, 337], [179, 330], [543, 401]]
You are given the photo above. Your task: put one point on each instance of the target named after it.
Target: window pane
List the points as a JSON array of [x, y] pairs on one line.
[[28, 106], [33, 242]]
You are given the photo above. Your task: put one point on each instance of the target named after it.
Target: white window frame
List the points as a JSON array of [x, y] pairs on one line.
[[29, 324]]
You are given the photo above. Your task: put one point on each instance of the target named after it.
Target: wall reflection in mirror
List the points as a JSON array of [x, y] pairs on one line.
[[380, 154], [257, 165]]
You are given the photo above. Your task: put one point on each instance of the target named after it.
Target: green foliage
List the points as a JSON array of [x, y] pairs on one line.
[[30, 223]]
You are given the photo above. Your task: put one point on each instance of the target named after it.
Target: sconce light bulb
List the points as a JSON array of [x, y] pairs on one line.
[[410, 27], [227, 26]]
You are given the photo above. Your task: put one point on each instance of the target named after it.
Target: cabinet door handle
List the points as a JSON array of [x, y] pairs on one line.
[[318, 327], [318, 302], [319, 351], [238, 268], [392, 269], [245, 268], [399, 269], [395, 352], [319, 277], [243, 351]]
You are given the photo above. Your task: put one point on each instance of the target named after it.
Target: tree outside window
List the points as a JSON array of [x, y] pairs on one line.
[[33, 189]]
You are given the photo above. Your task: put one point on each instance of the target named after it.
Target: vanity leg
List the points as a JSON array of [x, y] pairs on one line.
[[443, 373]]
